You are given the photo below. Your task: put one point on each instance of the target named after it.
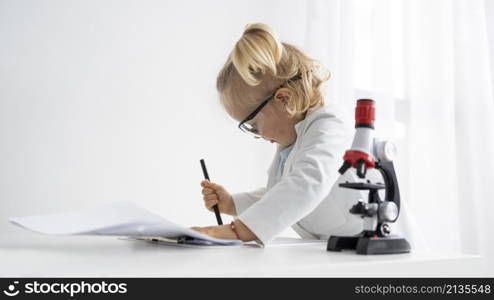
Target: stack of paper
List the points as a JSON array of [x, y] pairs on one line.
[[115, 219]]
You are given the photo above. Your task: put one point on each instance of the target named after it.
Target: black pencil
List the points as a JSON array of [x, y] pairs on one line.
[[216, 209]]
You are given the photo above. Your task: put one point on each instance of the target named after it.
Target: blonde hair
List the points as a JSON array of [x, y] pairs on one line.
[[259, 63]]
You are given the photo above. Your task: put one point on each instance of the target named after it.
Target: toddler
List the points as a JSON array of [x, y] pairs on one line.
[[274, 91]]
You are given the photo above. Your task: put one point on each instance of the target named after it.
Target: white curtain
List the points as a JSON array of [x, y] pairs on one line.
[[427, 65]]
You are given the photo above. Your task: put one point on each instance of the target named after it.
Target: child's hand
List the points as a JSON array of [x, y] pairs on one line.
[[216, 194], [219, 232], [241, 232]]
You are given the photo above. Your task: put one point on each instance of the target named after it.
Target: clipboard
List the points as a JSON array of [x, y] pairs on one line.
[[183, 241]]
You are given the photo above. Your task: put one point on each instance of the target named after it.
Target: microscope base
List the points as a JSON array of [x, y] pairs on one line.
[[369, 245]]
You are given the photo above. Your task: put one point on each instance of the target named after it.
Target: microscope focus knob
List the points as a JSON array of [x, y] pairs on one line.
[[385, 150], [388, 212], [364, 209]]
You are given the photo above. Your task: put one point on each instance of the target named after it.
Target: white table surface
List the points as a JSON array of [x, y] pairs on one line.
[[35, 255]]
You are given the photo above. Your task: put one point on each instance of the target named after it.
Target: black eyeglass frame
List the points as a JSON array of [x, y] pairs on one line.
[[263, 103]]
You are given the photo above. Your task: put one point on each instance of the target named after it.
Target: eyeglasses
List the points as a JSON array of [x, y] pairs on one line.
[[248, 128]]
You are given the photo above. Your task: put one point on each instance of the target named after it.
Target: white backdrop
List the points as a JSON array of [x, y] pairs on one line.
[[428, 65], [105, 101], [115, 100]]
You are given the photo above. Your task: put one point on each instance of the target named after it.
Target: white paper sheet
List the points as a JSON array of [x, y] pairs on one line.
[[115, 219]]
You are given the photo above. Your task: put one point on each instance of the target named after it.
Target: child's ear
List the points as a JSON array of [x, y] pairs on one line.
[[283, 95]]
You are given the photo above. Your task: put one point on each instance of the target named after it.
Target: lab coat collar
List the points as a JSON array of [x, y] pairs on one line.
[[300, 125]]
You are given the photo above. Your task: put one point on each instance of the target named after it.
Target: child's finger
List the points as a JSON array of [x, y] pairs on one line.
[[210, 203], [214, 186], [210, 197], [207, 191], [198, 229], [211, 185]]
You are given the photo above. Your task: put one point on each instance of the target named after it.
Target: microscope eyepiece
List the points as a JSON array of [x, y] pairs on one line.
[[365, 113]]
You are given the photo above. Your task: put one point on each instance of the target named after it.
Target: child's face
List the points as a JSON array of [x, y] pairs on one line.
[[273, 122]]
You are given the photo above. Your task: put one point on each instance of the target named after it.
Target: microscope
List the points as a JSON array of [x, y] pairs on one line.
[[367, 153]]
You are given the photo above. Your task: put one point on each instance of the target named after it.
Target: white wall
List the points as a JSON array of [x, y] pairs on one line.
[[105, 101]]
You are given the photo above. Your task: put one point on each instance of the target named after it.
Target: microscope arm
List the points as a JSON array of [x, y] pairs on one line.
[[390, 181]]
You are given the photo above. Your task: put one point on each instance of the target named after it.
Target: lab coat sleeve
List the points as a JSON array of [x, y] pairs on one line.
[[243, 201], [313, 173]]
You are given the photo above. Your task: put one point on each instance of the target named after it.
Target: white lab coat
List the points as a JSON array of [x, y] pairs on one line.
[[306, 196]]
